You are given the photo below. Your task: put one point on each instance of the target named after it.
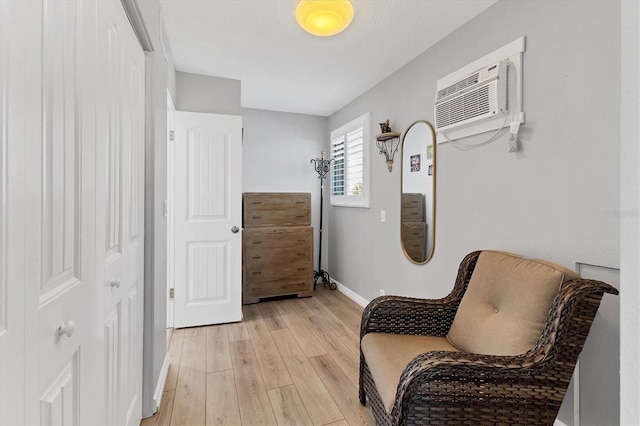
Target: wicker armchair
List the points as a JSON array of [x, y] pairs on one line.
[[458, 387]]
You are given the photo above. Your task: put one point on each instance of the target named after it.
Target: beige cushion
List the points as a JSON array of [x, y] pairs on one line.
[[506, 304], [388, 355]]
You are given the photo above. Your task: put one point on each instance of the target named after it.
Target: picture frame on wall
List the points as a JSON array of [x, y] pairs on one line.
[[415, 163]]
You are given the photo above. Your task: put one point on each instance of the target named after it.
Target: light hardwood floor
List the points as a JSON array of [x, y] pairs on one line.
[[289, 362]]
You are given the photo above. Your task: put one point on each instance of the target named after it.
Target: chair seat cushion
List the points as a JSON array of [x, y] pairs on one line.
[[387, 356], [506, 304]]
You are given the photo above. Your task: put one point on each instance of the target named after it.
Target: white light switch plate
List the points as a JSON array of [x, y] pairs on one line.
[[383, 216]]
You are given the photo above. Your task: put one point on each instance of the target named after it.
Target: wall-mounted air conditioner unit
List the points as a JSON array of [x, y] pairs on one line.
[[476, 97]]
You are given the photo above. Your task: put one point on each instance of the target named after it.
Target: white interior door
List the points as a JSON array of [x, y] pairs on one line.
[[207, 215], [120, 212]]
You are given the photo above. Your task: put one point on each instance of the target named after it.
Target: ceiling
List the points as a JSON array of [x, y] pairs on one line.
[[282, 68]]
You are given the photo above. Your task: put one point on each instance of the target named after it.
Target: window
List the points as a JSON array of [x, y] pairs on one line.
[[350, 167]]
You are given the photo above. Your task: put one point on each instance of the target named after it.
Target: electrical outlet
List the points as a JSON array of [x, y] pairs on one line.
[[383, 216], [381, 292]]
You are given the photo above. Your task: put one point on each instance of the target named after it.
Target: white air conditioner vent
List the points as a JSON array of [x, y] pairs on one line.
[[458, 86], [462, 108], [479, 96]]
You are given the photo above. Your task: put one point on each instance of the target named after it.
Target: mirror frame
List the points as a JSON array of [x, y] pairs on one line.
[[429, 255]]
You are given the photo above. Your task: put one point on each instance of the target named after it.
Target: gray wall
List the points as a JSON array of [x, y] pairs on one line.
[[158, 75], [553, 199], [276, 152], [630, 217], [201, 93]]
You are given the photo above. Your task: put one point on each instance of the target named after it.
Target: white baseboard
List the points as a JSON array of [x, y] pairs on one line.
[[559, 423], [351, 294], [164, 371]]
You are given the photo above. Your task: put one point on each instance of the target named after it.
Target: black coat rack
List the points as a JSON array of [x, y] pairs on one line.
[[322, 167]]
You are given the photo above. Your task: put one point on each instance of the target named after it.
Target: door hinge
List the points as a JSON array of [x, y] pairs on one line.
[[171, 294], [171, 135]]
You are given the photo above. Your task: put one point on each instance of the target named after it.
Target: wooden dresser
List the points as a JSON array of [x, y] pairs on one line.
[[277, 245]]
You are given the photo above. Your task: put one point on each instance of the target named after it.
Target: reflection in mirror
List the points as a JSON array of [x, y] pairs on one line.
[[417, 214]]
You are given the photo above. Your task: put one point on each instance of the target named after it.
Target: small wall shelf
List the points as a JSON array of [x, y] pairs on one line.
[[388, 144]]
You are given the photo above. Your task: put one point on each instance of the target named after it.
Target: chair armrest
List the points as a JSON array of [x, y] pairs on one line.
[[406, 315], [445, 379]]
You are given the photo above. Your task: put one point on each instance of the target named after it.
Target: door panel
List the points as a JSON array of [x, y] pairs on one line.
[[120, 207], [16, 38], [111, 356], [206, 272], [208, 203], [61, 176], [59, 219], [60, 403]]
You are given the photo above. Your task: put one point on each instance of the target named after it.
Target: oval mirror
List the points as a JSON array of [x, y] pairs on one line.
[[417, 211]]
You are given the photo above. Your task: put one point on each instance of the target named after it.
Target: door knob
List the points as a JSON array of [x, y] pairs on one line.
[[235, 229], [66, 329], [115, 283]]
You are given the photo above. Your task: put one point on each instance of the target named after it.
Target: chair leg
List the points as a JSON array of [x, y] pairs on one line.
[[361, 391]]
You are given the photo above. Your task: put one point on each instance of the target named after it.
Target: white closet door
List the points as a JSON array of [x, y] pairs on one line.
[[59, 215], [120, 212], [15, 22], [71, 213]]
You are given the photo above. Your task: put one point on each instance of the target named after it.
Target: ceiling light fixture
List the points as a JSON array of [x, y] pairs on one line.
[[324, 17]]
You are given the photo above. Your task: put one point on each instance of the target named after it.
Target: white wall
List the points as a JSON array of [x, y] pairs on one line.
[[629, 217], [202, 93], [276, 153], [549, 200], [554, 199]]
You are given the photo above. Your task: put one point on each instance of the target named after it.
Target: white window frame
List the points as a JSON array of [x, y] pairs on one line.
[[363, 200]]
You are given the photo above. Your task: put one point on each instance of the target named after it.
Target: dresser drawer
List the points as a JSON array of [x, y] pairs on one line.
[[256, 290], [278, 256], [412, 208], [253, 273], [276, 209], [263, 239], [413, 239]]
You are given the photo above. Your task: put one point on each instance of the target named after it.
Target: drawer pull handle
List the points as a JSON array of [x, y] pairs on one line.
[[256, 217], [301, 269], [256, 202], [302, 240], [257, 242], [257, 273], [300, 215], [257, 257]]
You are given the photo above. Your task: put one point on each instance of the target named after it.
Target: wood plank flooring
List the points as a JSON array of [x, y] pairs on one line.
[[289, 362]]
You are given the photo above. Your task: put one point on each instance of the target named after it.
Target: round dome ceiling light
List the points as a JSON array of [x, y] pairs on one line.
[[324, 18]]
